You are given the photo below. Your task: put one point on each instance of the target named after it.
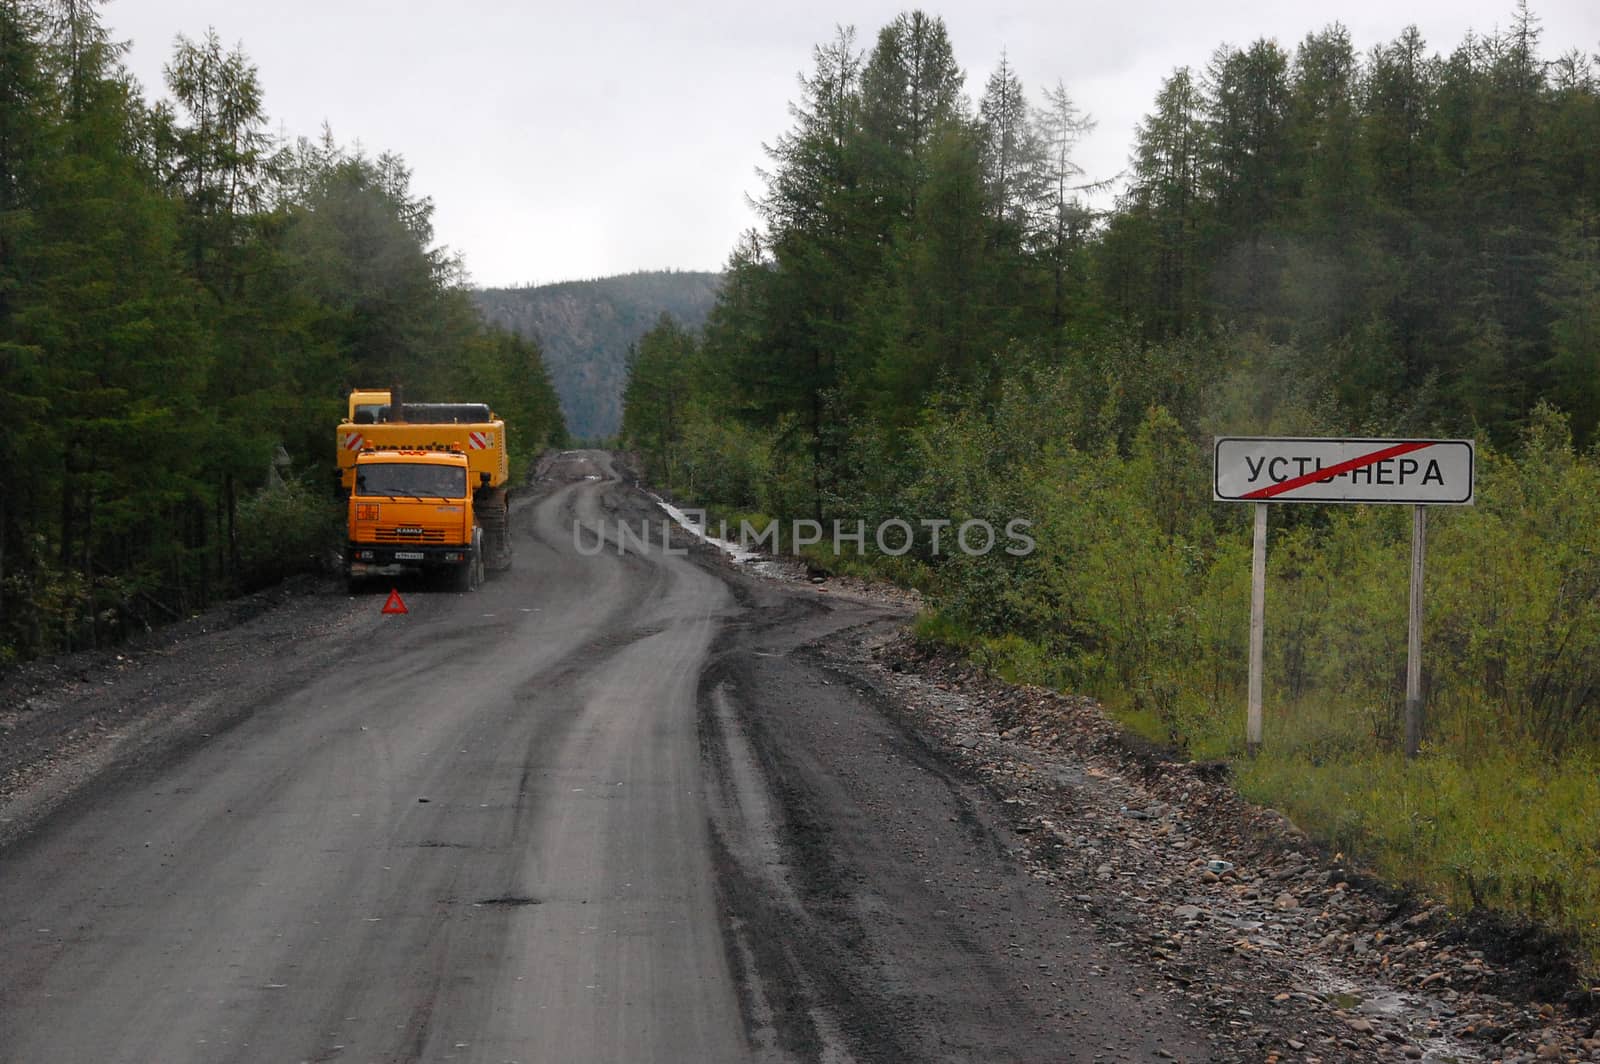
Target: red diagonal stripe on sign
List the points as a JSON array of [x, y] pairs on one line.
[[1334, 470]]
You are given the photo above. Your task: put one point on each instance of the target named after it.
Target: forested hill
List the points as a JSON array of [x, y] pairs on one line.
[[585, 329]]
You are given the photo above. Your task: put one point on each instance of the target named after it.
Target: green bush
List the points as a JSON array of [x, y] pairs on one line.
[[720, 460], [286, 529], [55, 605], [1514, 616]]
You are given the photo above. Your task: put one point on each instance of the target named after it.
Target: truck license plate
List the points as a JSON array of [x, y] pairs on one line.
[[408, 555]]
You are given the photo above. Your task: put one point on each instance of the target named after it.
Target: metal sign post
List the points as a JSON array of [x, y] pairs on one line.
[[1258, 628], [1419, 546], [1420, 473]]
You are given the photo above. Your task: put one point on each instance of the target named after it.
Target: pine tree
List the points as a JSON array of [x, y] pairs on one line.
[[116, 318], [1247, 125], [1399, 85], [661, 372], [1325, 135], [947, 285], [223, 153], [1574, 129], [825, 250]]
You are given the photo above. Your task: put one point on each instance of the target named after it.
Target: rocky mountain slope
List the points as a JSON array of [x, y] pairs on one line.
[[586, 327]]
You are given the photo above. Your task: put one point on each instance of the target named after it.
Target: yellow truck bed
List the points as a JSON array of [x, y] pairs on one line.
[[484, 445], [483, 442]]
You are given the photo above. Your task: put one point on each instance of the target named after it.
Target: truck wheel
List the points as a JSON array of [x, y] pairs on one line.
[[469, 577]]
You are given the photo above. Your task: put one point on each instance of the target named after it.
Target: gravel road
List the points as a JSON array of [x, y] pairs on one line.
[[606, 809]]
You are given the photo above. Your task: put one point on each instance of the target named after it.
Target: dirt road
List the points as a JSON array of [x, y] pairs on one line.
[[608, 808]]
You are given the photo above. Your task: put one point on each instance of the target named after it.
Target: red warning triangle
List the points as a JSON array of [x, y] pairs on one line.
[[395, 603]]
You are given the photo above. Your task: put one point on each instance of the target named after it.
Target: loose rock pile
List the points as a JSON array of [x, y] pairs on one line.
[[1289, 953]]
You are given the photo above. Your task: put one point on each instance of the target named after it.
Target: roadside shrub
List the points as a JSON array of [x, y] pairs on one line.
[[1515, 616], [721, 462], [55, 605], [286, 529]]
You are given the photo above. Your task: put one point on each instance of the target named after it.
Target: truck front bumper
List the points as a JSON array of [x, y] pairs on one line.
[[392, 559]]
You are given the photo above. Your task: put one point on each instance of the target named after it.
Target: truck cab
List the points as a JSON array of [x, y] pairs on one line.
[[412, 510]]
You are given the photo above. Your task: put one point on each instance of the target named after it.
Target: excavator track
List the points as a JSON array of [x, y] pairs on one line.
[[494, 517]]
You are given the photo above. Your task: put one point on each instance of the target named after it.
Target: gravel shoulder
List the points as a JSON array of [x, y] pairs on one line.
[[1279, 950], [77, 720], [877, 891], [74, 722]]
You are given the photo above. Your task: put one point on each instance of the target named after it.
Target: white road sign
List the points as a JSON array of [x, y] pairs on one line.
[[1286, 469]]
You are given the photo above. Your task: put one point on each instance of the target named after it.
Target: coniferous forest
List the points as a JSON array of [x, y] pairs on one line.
[[184, 301], [1398, 237], [942, 316]]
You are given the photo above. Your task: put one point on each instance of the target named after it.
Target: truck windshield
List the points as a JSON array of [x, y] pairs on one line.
[[403, 478]]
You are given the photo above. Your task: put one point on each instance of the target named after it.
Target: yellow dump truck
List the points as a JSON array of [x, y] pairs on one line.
[[426, 486]]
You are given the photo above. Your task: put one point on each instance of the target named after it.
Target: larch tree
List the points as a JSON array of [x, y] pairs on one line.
[[1060, 218], [1249, 170], [1164, 198], [1012, 155], [911, 87]]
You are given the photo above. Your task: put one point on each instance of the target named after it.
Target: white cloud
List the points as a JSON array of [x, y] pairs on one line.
[[572, 140]]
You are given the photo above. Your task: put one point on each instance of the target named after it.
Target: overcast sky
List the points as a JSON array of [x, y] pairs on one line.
[[591, 137]]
